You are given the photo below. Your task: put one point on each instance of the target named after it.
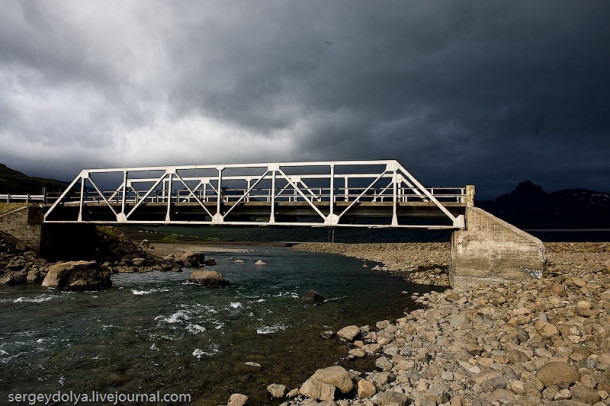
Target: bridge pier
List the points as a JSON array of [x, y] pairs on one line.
[[24, 226], [491, 250]]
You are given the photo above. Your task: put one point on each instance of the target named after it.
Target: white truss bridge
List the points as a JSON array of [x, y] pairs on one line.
[[371, 194]]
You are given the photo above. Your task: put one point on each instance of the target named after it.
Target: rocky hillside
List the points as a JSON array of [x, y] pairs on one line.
[[529, 206], [15, 182]]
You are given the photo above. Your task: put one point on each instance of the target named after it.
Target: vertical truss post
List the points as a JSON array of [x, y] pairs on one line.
[[219, 191], [332, 189], [124, 197], [82, 195], [218, 217], [170, 172], [347, 189], [273, 169], [394, 199]]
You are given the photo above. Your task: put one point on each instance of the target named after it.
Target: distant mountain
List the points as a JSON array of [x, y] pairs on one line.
[[528, 206], [14, 182]]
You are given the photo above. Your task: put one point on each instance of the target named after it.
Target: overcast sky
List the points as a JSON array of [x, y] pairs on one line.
[[460, 92]]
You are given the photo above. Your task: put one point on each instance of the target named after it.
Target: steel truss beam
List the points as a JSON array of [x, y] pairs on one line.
[[331, 191]]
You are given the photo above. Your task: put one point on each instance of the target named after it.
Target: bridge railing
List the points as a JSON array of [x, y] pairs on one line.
[[11, 198], [220, 189], [405, 195]]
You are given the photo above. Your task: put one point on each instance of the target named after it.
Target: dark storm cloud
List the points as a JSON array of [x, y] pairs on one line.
[[481, 92]]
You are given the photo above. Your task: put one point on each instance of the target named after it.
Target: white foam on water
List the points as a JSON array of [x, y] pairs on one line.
[[334, 299], [2, 352], [236, 305], [154, 347], [270, 329], [198, 353], [37, 299], [293, 295], [148, 292], [195, 328], [174, 318], [260, 301]]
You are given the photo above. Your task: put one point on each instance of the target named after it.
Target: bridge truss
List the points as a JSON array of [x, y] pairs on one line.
[[373, 194]]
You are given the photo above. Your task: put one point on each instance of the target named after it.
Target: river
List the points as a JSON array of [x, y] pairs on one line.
[[158, 332]]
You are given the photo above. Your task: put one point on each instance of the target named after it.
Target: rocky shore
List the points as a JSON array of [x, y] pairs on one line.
[[115, 254], [544, 341]]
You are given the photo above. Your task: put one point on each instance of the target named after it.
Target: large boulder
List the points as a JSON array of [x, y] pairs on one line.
[[323, 383], [208, 278], [77, 275], [553, 373]]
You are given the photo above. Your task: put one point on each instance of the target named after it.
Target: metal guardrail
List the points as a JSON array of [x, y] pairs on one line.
[[10, 198], [340, 186]]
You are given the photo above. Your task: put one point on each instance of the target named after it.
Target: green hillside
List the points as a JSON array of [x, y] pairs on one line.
[[15, 182]]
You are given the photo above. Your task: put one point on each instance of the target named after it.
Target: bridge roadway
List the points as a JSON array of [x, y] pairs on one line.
[[372, 194]]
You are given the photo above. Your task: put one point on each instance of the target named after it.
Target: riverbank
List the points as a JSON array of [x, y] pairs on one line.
[[421, 263], [544, 341]]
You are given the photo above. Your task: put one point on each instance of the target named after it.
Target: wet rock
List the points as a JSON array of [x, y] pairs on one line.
[[249, 367], [210, 262], [77, 275], [237, 399], [327, 335], [260, 262], [276, 390], [336, 376], [194, 259], [312, 296], [138, 261], [349, 333], [208, 278]]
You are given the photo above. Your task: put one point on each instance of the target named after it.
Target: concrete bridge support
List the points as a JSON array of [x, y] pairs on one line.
[[491, 250], [24, 226]]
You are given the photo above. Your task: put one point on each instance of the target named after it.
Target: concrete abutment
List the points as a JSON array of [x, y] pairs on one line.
[[491, 250], [24, 226]]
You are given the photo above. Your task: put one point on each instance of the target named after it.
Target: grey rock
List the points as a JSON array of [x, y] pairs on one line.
[[391, 398], [349, 333], [312, 296], [208, 278]]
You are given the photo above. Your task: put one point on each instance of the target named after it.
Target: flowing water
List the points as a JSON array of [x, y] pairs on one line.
[[158, 332]]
